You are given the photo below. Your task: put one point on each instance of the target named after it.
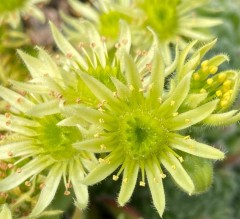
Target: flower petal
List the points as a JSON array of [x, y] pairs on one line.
[[174, 167], [156, 186], [31, 168], [129, 181], [191, 117], [49, 190], [5, 212], [76, 175], [171, 104], [193, 147], [104, 169], [98, 145]]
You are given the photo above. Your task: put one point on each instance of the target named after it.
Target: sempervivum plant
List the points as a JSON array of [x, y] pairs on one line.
[[12, 10], [40, 149], [173, 21]]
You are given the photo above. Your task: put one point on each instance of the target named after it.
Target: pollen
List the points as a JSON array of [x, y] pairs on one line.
[[125, 180], [163, 176], [67, 193], [227, 83], [174, 167], [10, 153], [223, 103], [101, 121], [203, 91], [181, 159], [101, 160], [175, 114], [187, 120], [19, 170], [28, 183], [221, 77]]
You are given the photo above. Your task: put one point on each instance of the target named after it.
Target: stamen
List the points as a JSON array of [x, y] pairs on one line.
[[115, 177], [69, 55], [42, 185], [28, 183], [187, 120], [175, 114], [101, 120], [213, 69], [67, 193], [209, 81], [125, 180], [204, 63], [172, 103], [19, 170], [219, 93], [102, 146], [142, 183], [196, 76]]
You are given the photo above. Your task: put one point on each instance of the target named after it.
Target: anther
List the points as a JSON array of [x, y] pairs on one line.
[[142, 183], [101, 160], [163, 175], [196, 76], [209, 81], [141, 90], [187, 120], [219, 93], [103, 39], [223, 103], [221, 77], [125, 180], [175, 114], [67, 193], [101, 120], [102, 146], [187, 137], [131, 88], [19, 170], [42, 185], [203, 91], [204, 63], [181, 159], [80, 45], [144, 53], [7, 115], [96, 135], [28, 183], [92, 45], [69, 55], [227, 83], [19, 100], [160, 100], [115, 177], [173, 167], [117, 45], [10, 153], [124, 41], [149, 66], [213, 69], [115, 94], [10, 165], [172, 103], [78, 100]]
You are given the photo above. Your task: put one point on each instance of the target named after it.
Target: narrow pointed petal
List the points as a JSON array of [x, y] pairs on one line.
[[227, 118], [156, 186], [218, 59], [66, 47], [122, 90], [195, 148], [31, 168], [34, 65], [124, 38], [44, 109], [16, 100], [99, 89], [204, 49], [84, 10], [194, 100], [76, 175], [171, 68], [9, 125], [128, 183], [29, 87], [5, 212], [191, 117], [174, 167], [49, 190], [156, 78], [176, 98], [16, 149], [132, 74], [182, 58], [104, 169], [98, 145]]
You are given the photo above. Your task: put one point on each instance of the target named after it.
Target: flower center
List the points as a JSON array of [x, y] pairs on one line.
[[109, 23], [142, 135], [11, 5], [57, 140], [162, 16]]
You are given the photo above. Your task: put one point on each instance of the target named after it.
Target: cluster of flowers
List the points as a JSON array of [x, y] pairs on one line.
[[98, 110]]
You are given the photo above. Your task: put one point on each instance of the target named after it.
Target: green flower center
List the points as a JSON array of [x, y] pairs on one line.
[[142, 135], [109, 23], [162, 16], [57, 140], [11, 5]]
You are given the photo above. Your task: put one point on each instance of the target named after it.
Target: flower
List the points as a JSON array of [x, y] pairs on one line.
[[12, 10], [38, 146], [173, 21], [139, 128], [5, 212]]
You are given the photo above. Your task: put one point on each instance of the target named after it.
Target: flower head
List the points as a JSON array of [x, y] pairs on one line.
[[171, 20], [139, 128], [38, 146], [12, 10]]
